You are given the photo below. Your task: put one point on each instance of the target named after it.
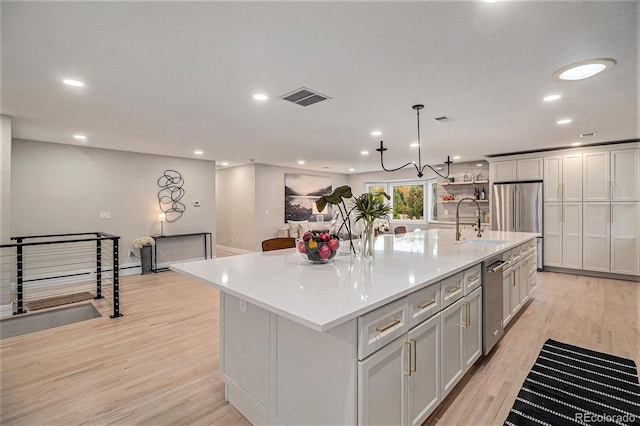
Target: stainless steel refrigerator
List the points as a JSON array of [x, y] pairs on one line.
[[517, 206]]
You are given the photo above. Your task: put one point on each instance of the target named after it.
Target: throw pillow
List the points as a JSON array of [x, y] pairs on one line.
[[297, 228]]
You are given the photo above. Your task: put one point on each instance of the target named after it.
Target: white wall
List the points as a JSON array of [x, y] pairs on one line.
[[235, 201], [250, 202], [269, 214], [5, 210], [63, 188]]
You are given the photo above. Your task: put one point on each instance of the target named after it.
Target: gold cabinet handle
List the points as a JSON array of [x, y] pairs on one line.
[[513, 274], [467, 320], [413, 342], [386, 327], [429, 303], [408, 372], [453, 290], [473, 278]]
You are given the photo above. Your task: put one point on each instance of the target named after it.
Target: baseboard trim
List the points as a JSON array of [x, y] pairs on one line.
[[233, 249], [6, 311], [596, 274]]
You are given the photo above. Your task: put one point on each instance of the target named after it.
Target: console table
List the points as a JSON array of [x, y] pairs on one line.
[[208, 253]]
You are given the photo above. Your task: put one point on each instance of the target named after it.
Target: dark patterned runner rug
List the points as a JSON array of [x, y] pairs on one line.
[[570, 385]]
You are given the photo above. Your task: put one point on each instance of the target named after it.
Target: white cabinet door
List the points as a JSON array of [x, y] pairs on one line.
[[552, 179], [625, 238], [572, 177], [552, 234], [529, 169], [424, 381], [523, 282], [596, 236], [625, 175], [382, 385], [503, 171], [507, 280], [452, 365], [572, 235], [472, 332], [514, 290], [595, 176]]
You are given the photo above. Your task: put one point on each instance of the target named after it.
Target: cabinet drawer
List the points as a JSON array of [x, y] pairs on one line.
[[382, 326], [516, 254], [506, 256], [472, 279], [423, 304], [451, 289], [531, 282]]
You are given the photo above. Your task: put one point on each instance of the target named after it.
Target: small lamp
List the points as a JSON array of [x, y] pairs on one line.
[[161, 218], [319, 214]]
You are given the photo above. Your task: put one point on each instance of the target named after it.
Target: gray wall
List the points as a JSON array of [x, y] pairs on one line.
[[5, 212], [250, 202], [235, 201], [63, 188]]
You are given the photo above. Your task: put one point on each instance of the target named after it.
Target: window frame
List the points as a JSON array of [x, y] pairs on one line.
[[428, 199]]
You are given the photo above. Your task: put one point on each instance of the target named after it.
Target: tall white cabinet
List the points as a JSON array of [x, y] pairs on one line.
[[591, 210], [611, 181], [563, 211]]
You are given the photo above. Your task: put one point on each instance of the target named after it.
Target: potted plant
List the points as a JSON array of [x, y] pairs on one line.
[[337, 198], [144, 244], [370, 207]]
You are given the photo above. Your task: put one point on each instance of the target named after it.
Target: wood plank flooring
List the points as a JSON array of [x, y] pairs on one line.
[[158, 364]]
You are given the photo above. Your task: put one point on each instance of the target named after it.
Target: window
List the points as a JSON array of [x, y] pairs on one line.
[[410, 200]]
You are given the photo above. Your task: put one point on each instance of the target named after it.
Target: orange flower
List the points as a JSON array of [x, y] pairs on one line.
[[312, 244]]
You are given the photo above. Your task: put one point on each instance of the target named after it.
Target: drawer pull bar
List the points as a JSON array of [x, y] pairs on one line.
[[453, 290], [414, 357], [473, 278], [408, 372], [429, 303], [386, 327]]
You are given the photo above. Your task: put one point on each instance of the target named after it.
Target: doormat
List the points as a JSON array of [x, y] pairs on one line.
[[29, 323], [50, 302], [572, 385]]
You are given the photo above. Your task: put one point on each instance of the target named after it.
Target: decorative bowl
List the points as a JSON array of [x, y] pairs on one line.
[[318, 247]]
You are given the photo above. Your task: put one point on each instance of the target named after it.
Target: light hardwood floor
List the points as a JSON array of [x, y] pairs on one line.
[[158, 364]]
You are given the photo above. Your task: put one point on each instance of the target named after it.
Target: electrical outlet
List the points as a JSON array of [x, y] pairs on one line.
[[131, 253]]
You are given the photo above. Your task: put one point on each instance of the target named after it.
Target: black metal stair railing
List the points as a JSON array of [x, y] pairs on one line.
[[48, 266]]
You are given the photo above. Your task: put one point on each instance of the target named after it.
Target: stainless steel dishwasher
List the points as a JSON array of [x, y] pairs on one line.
[[492, 329]]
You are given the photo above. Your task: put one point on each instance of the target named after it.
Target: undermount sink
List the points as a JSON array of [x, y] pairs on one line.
[[484, 242]]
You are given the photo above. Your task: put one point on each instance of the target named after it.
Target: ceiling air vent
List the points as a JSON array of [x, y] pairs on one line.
[[587, 135], [304, 97], [443, 119]]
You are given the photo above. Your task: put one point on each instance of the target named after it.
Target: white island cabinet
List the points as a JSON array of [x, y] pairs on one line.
[[350, 342]]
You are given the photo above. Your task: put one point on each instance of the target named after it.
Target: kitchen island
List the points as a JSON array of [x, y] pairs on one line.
[[351, 341]]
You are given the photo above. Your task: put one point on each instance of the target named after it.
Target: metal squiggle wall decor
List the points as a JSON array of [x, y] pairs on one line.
[[169, 196]]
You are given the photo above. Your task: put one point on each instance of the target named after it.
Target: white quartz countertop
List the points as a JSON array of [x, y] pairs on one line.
[[326, 295]]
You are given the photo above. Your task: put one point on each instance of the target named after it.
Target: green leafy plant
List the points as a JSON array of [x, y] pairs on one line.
[[370, 207], [337, 198]]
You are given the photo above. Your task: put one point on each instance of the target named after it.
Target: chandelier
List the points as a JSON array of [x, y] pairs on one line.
[[419, 167]]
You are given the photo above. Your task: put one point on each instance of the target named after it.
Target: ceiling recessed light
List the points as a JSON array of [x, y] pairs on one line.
[[72, 82], [364, 152], [583, 69], [439, 168], [456, 157], [300, 162], [260, 97], [376, 133], [415, 145], [490, 1], [550, 98], [564, 121], [479, 165], [80, 137], [198, 152], [576, 144], [224, 163], [352, 169]]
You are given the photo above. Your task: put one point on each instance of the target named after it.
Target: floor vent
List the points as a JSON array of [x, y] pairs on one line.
[[443, 119], [304, 97]]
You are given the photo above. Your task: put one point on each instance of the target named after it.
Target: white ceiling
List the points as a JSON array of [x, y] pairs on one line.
[[171, 77]]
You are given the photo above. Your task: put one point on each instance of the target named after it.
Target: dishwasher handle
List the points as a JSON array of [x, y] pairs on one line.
[[496, 266]]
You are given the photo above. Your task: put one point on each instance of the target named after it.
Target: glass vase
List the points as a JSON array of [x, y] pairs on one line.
[[367, 240]]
